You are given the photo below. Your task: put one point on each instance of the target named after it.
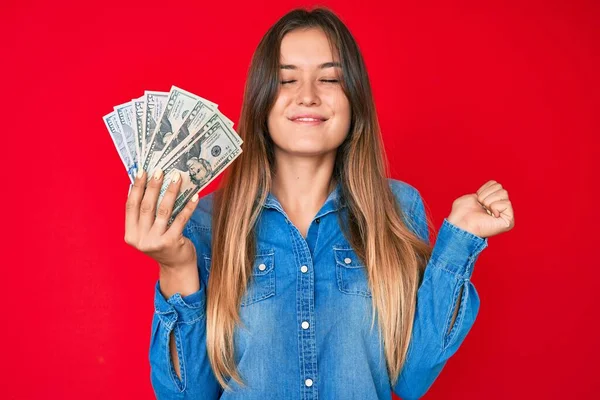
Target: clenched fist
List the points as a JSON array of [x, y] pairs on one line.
[[485, 213]]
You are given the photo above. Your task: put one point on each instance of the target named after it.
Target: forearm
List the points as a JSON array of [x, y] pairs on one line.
[[182, 279], [174, 356], [455, 313], [179, 362], [447, 305]]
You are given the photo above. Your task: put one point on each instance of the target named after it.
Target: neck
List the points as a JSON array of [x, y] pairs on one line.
[[302, 184]]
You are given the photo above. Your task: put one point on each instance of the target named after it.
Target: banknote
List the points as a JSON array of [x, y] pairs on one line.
[[177, 131], [126, 120], [197, 128], [199, 115], [202, 161], [139, 107], [227, 120], [178, 107], [112, 124], [154, 103]]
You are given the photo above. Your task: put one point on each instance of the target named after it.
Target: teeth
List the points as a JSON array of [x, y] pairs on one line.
[[307, 119]]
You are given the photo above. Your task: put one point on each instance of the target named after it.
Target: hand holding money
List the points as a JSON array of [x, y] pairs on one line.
[[146, 226], [178, 132]]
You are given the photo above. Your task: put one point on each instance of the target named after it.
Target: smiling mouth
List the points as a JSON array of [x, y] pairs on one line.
[[308, 121]]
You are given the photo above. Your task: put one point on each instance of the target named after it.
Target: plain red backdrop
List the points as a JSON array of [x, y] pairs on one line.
[[466, 92]]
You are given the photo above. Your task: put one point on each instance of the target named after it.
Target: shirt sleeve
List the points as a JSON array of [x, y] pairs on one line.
[[185, 315], [449, 270]]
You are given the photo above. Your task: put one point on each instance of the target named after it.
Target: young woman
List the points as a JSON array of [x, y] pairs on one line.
[[309, 274]]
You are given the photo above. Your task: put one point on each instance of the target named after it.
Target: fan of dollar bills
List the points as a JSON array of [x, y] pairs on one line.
[[175, 131]]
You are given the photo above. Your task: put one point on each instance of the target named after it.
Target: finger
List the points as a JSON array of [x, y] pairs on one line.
[[148, 205], [183, 217], [165, 208], [132, 206], [486, 186], [493, 188], [503, 207], [498, 195], [486, 210]]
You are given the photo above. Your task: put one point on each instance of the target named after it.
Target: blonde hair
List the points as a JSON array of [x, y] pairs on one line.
[[393, 255]]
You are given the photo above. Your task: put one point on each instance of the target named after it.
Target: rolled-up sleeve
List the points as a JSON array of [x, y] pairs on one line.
[[434, 338]]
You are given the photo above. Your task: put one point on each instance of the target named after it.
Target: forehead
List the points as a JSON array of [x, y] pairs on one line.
[[306, 48]]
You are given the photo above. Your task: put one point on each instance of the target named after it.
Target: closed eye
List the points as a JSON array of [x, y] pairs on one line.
[[322, 80]]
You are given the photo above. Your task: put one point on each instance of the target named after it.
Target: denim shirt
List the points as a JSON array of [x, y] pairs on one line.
[[307, 313]]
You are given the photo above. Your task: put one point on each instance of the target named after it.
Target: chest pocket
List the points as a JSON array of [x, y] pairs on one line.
[[262, 282], [351, 273]]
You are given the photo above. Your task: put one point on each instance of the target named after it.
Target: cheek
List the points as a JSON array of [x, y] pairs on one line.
[[276, 114], [343, 113], [343, 105]]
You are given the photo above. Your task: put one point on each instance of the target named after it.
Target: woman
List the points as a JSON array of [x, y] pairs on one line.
[[272, 286]]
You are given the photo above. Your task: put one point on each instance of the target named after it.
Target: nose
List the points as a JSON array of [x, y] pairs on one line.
[[307, 95]]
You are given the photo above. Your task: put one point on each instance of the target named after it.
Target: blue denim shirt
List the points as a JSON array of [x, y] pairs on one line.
[[307, 314]]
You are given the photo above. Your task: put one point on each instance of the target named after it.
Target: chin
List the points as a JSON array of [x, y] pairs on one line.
[[306, 149]]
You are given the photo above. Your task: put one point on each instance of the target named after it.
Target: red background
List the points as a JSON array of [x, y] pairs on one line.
[[466, 92]]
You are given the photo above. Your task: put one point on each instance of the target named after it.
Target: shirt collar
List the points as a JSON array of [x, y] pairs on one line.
[[332, 203]]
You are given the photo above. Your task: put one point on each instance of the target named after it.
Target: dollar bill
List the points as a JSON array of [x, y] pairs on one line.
[[178, 132], [154, 106], [178, 107], [197, 128], [227, 120], [199, 115], [202, 161], [139, 107], [126, 121], [112, 124]]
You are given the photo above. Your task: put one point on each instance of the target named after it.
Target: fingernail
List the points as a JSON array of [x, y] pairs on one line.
[[157, 173], [175, 177], [195, 198], [140, 173]]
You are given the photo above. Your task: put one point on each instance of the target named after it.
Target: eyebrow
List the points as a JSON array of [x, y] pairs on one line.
[[330, 64]]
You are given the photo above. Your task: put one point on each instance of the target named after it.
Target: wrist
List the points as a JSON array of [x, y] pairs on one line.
[[177, 267], [459, 222], [182, 279]]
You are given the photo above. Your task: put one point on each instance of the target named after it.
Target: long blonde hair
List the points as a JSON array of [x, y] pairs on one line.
[[394, 257]]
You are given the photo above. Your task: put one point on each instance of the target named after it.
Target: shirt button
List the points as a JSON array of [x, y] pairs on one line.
[[347, 260], [308, 382], [318, 220], [262, 267], [305, 325], [304, 268]]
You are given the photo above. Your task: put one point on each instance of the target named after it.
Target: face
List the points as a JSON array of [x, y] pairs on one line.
[[197, 170], [311, 115]]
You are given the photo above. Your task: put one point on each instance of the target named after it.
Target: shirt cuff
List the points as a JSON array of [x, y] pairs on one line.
[[185, 309], [456, 249]]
